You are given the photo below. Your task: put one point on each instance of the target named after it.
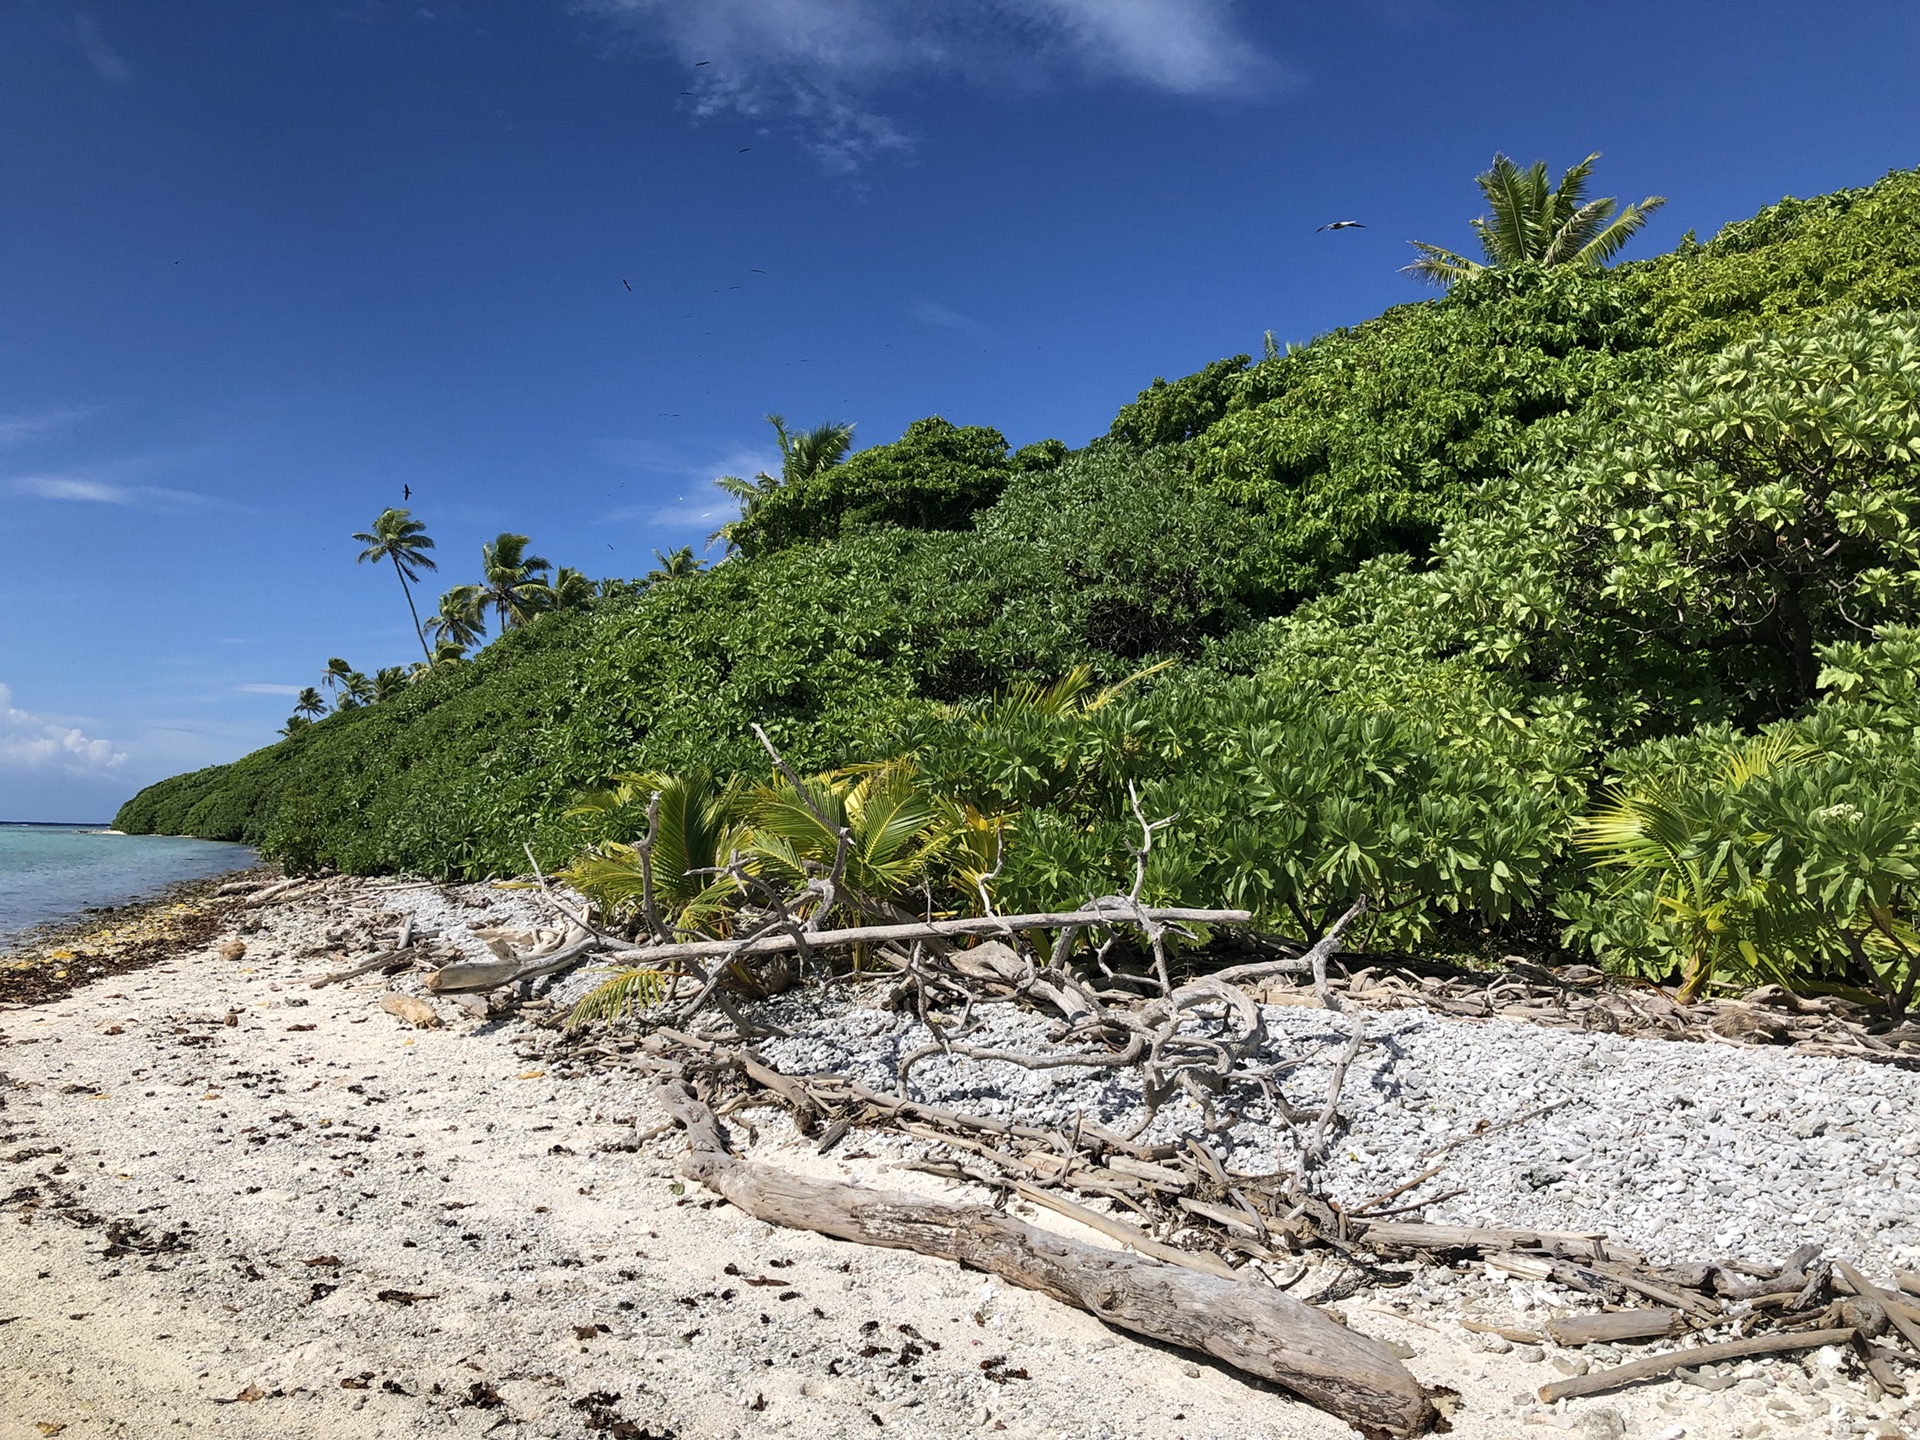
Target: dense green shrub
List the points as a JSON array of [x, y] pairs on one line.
[[1168, 412], [1792, 858], [1688, 562], [932, 478], [1434, 791], [1369, 439]]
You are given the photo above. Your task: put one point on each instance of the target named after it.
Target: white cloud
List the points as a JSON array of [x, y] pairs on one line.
[[107, 62], [823, 63], [98, 492], [263, 689], [18, 429], [1189, 47], [702, 506], [928, 313], [40, 743]]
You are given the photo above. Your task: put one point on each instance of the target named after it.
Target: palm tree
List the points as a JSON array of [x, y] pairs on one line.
[[802, 456], [337, 676], [806, 454], [295, 724], [388, 682], [461, 619], [310, 703], [398, 537], [512, 582], [1534, 225], [677, 566], [571, 590]]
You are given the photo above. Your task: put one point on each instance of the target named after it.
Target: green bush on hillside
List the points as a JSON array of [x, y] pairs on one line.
[[934, 477]]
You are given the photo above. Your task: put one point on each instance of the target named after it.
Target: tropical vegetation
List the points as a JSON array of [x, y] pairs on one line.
[[1574, 611]]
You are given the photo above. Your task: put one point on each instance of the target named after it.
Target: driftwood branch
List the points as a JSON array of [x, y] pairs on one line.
[[469, 977], [1696, 1355], [402, 956], [929, 930], [1252, 1327]]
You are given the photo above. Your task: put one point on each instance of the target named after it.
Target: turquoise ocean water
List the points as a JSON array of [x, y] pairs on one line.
[[48, 872]]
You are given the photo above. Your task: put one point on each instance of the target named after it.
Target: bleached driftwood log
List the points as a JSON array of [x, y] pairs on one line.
[[1250, 1326]]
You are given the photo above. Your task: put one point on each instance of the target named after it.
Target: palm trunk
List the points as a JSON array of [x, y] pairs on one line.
[[407, 590]]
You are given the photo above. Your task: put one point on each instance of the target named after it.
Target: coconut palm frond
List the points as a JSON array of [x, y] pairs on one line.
[[1112, 692], [1058, 698], [1530, 223], [621, 996], [897, 832], [1759, 757], [1575, 231], [746, 491], [975, 848], [810, 452], [1637, 830], [1517, 199], [1607, 243], [1438, 266]]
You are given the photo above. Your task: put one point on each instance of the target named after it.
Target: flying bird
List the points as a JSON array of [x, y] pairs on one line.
[[745, 148], [698, 63], [759, 272], [406, 492], [1340, 225], [629, 287]]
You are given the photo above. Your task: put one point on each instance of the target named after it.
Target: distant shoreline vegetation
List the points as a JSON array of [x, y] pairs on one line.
[[1569, 613]]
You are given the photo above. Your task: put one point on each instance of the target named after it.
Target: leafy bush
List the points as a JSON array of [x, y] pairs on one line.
[[1792, 858], [932, 478], [1136, 562], [1289, 797], [1761, 503]]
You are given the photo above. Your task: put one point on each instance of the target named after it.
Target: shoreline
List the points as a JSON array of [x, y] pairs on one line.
[[54, 957], [103, 891]]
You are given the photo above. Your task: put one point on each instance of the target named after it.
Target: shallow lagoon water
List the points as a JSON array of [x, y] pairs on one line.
[[49, 872]]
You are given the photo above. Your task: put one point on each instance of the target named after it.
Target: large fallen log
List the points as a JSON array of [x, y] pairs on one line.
[[1252, 1327]]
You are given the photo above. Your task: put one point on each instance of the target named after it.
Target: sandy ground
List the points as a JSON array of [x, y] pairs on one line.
[[235, 1206]]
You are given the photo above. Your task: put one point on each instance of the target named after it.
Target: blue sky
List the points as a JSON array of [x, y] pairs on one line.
[[263, 264]]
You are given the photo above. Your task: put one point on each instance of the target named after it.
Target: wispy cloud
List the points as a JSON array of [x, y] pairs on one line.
[[698, 505], [20, 429], [156, 498], [106, 61], [265, 689], [42, 743], [928, 313], [825, 66]]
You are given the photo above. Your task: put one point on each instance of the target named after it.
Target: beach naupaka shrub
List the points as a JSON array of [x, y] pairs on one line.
[[1792, 857], [1427, 787], [1688, 563]]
